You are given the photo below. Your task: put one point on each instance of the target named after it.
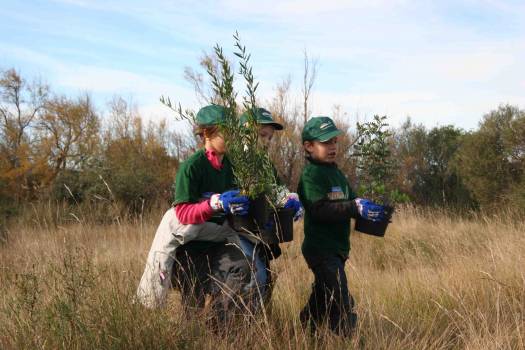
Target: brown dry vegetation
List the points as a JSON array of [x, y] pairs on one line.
[[434, 282]]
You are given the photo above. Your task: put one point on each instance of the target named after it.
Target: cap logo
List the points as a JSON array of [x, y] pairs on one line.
[[324, 126], [266, 114]]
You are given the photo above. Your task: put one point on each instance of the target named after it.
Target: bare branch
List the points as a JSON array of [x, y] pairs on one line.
[[309, 76]]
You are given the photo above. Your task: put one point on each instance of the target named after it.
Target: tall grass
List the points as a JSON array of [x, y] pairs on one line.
[[434, 282]]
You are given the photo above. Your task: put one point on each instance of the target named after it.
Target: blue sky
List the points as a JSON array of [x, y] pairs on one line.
[[440, 62]]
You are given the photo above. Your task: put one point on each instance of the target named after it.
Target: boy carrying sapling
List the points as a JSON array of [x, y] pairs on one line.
[[329, 204]]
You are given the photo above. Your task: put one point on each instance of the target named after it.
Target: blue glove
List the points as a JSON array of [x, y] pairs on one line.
[[369, 210], [230, 202], [293, 202]]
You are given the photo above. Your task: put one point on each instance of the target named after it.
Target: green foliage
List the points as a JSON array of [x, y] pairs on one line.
[[251, 164], [443, 185], [73, 186], [426, 167], [491, 160], [376, 167], [7, 204], [180, 114], [516, 195], [138, 172]]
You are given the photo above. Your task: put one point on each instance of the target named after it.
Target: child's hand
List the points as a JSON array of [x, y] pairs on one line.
[[294, 202], [230, 202], [369, 210]]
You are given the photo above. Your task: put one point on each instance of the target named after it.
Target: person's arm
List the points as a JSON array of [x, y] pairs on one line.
[[313, 191], [328, 211], [194, 213]]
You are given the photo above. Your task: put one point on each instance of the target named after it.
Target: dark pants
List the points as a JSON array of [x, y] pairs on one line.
[[222, 271], [330, 300]]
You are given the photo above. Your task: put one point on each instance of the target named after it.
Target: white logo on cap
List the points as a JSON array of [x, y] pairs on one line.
[[266, 114], [324, 126]]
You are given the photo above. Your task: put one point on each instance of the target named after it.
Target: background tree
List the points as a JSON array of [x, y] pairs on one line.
[[427, 171], [346, 160], [286, 150], [21, 103], [69, 134], [202, 86], [309, 76], [59, 147], [409, 149], [131, 169], [491, 159], [135, 160], [442, 184]]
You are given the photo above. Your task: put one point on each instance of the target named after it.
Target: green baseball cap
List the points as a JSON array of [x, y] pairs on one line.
[[321, 129], [210, 115], [262, 116]]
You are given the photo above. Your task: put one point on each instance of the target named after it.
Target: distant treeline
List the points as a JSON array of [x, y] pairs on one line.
[[60, 149]]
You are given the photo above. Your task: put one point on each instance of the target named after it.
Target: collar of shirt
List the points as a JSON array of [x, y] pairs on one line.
[[214, 159]]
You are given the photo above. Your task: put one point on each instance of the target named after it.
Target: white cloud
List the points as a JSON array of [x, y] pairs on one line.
[[476, 66], [104, 80], [396, 57], [145, 90], [471, 65], [423, 107]]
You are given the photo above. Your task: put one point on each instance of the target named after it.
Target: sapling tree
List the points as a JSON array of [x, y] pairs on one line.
[[375, 165], [251, 162], [252, 167]]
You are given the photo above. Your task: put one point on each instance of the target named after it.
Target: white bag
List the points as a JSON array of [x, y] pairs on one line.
[[156, 279]]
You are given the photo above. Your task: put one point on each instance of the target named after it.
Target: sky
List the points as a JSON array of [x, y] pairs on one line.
[[439, 62]]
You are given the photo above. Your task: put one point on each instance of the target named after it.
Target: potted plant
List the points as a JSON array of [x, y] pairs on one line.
[[252, 167], [251, 164], [283, 218], [376, 169]]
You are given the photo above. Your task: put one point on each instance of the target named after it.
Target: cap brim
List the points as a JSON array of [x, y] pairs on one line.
[[329, 135], [277, 126]]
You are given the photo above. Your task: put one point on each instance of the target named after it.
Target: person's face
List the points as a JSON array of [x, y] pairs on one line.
[[325, 152], [265, 134], [216, 142]]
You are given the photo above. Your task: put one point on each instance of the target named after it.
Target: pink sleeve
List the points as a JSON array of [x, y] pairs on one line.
[[193, 213]]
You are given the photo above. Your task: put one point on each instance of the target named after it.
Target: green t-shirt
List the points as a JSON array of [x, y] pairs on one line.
[[324, 181], [195, 177]]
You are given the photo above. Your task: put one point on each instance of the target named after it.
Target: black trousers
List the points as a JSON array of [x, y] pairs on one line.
[[222, 271], [330, 300]]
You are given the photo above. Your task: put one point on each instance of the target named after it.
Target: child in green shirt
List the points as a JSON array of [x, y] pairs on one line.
[[204, 194], [262, 253], [329, 204]]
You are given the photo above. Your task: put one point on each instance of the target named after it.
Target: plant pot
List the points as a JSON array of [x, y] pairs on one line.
[[374, 228], [259, 210], [284, 224], [256, 218], [242, 223]]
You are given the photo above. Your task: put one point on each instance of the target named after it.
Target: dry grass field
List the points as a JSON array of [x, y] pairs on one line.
[[434, 282]]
